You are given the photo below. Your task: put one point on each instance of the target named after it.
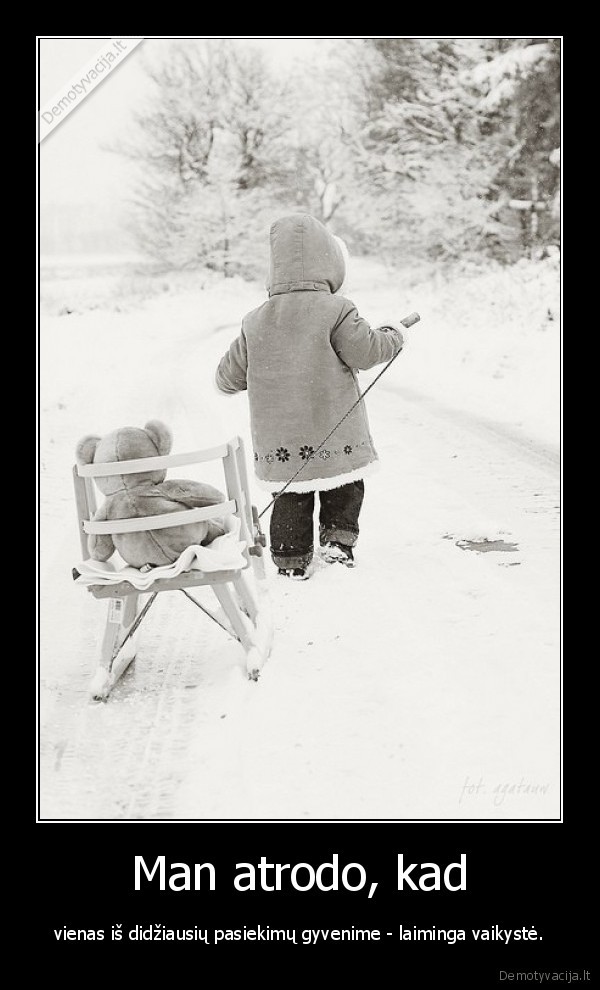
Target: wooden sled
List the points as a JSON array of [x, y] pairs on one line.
[[243, 600]]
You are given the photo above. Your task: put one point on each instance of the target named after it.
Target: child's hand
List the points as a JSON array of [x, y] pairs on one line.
[[390, 328]]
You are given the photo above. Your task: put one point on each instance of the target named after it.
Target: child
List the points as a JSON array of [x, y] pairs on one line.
[[296, 356]]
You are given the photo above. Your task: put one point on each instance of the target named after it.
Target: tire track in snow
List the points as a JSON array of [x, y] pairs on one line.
[[535, 452], [321, 737], [184, 712], [122, 759]]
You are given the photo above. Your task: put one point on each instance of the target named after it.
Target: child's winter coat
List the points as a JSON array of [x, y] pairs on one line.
[[297, 354]]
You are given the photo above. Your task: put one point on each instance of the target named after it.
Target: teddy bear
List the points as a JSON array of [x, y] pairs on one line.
[[145, 494]]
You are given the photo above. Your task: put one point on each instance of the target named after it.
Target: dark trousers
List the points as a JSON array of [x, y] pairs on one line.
[[292, 522]]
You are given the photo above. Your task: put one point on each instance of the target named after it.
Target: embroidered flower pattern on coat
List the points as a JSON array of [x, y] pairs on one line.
[[307, 453]]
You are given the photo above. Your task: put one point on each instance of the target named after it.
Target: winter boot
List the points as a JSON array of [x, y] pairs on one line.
[[337, 553], [295, 573]]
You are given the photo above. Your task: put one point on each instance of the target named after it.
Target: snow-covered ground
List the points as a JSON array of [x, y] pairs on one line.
[[423, 684]]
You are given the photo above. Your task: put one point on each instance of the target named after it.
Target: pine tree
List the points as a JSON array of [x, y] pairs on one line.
[[418, 149], [519, 85], [453, 131]]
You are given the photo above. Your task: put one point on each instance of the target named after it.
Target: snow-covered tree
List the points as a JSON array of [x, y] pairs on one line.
[[449, 132], [407, 147], [519, 87], [215, 155], [417, 149]]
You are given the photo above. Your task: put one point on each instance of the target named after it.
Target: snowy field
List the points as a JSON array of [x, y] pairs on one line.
[[423, 684]]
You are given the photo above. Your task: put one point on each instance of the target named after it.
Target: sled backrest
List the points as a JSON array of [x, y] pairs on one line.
[[236, 484]]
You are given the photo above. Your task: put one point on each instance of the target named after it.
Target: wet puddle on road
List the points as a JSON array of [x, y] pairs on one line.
[[484, 546]]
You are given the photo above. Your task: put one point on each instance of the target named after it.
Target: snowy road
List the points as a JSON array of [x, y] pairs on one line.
[[422, 684]]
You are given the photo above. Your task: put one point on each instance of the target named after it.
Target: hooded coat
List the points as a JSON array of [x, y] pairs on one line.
[[297, 356]]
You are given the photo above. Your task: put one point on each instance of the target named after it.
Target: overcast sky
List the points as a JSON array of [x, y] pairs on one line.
[[74, 168]]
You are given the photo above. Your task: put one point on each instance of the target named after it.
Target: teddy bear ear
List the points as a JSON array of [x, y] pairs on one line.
[[86, 448], [160, 435]]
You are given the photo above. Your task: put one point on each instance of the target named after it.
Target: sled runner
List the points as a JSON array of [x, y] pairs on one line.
[[243, 600]]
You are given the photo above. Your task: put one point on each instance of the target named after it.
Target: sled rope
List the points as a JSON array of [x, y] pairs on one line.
[[408, 321], [210, 614], [134, 625]]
